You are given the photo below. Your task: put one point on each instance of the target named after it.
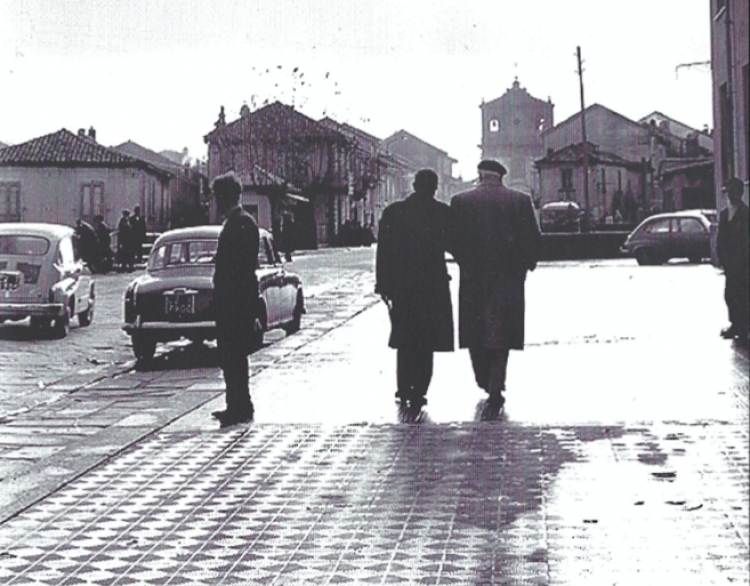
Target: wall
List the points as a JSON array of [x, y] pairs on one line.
[[53, 194], [738, 39]]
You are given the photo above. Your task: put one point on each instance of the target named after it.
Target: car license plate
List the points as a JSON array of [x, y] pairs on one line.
[[179, 305], [8, 282]]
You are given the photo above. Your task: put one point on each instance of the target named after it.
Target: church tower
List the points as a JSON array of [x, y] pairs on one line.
[[512, 127]]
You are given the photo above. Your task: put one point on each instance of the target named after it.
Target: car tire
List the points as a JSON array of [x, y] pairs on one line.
[[86, 317], [647, 257], [61, 324], [143, 347], [294, 325], [40, 323], [259, 330], [695, 259]]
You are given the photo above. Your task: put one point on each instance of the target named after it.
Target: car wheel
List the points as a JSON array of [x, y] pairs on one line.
[[143, 347], [61, 324], [85, 317], [695, 259], [294, 325], [40, 323], [647, 257], [259, 330]]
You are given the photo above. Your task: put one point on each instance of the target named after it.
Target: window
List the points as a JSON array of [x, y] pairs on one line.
[[92, 200], [566, 178], [657, 227], [604, 181], [24, 245], [494, 125], [202, 251], [177, 254], [10, 201], [691, 226], [156, 260]]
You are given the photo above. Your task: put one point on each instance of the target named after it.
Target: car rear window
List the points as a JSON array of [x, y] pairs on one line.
[[20, 245], [193, 252]]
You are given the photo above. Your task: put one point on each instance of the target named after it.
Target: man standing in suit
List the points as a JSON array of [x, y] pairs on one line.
[[497, 242], [732, 247], [235, 297], [413, 280]]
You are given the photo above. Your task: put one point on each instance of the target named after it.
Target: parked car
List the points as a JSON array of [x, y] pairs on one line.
[[660, 237], [42, 277], [560, 216], [172, 299]]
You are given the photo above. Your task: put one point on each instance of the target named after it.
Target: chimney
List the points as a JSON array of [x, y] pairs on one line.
[[81, 132], [92, 133]]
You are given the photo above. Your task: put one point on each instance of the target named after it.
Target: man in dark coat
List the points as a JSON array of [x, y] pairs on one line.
[[497, 242], [103, 235], [138, 225], [733, 245], [87, 243], [235, 297], [413, 280], [125, 242]]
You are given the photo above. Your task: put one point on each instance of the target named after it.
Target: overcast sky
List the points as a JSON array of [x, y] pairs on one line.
[[157, 71]]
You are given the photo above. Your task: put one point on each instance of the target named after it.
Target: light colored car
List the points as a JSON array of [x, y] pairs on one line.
[[172, 300], [560, 216], [683, 234], [42, 277]]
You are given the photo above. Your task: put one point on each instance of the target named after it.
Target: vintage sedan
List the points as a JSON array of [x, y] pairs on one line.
[[42, 277], [172, 300], [683, 234]]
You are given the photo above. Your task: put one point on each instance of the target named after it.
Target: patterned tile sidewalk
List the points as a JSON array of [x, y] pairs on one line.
[[489, 502]]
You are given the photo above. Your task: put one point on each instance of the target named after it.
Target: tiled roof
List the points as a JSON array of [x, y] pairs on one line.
[[63, 148], [133, 149]]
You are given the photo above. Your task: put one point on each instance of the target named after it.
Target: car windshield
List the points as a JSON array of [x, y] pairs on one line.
[[21, 245], [184, 253]]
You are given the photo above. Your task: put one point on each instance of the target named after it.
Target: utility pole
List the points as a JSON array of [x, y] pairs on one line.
[[585, 223]]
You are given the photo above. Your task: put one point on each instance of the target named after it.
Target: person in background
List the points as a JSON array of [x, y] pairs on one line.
[[125, 242], [732, 245], [138, 225], [104, 238], [87, 243]]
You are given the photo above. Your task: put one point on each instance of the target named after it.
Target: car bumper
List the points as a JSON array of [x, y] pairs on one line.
[[154, 326], [21, 310]]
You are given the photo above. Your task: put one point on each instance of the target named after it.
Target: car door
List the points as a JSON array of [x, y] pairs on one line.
[[692, 239], [286, 290], [268, 281]]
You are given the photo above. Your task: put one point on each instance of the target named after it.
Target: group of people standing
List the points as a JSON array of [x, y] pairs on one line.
[[492, 233], [95, 242]]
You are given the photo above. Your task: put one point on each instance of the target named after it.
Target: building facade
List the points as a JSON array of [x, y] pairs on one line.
[[416, 154], [61, 177], [730, 72], [512, 127], [291, 160]]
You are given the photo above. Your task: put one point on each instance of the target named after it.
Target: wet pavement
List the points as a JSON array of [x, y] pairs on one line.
[[621, 456]]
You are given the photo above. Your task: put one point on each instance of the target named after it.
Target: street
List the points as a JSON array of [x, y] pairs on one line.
[[621, 456]]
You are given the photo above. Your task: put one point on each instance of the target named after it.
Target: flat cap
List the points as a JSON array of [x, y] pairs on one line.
[[492, 166]]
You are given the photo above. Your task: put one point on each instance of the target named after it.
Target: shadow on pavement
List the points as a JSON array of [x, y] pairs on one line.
[[186, 355]]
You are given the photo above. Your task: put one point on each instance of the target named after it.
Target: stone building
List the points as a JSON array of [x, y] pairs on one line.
[[512, 127], [730, 67], [61, 177]]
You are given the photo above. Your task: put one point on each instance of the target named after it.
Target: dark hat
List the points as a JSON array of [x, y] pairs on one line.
[[492, 166]]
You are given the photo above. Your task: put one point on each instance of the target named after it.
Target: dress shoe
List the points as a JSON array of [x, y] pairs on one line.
[[229, 418], [417, 402], [496, 400], [729, 332]]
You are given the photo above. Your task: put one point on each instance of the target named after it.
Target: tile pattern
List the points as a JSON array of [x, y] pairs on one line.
[[472, 503]]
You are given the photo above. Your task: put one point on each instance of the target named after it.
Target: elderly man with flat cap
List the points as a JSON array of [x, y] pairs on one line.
[[732, 248], [497, 243]]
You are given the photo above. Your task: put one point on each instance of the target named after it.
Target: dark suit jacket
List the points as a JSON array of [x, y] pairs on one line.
[[733, 239], [497, 242], [235, 282], [413, 237]]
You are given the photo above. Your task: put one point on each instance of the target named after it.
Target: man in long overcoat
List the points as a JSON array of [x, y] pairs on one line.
[[235, 297], [732, 247], [413, 280], [497, 243]]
